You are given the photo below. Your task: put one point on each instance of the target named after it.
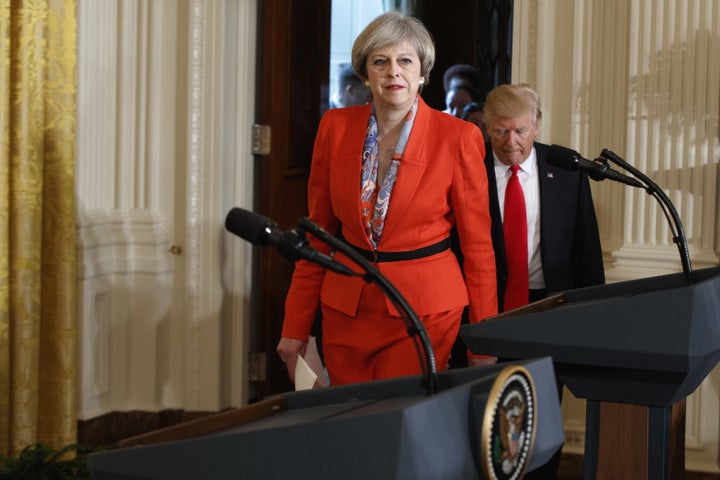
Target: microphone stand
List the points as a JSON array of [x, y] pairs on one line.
[[667, 207], [372, 274]]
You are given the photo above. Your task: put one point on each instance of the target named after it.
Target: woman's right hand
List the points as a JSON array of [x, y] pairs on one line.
[[289, 349]]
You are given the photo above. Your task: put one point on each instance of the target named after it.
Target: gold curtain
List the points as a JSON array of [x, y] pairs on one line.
[[38, 321]]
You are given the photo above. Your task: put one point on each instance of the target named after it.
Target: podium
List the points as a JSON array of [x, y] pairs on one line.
[[383, 429], [647, 342]]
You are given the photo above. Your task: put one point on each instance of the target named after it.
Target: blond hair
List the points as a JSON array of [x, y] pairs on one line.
[[512, 101], [392, 28]]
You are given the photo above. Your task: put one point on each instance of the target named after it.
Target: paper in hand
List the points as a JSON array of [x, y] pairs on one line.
[[309, 371], [304, 375]]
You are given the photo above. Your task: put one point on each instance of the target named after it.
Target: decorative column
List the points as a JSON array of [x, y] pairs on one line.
[[672, 133]]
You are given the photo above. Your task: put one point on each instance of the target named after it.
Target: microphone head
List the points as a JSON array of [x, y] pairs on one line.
[[248, 225], [563, 157]]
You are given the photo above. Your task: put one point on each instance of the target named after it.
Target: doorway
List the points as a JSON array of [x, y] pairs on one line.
[[348, 18]]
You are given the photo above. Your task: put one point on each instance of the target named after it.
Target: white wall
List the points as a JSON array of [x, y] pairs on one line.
[[348, 18], [165, 104]]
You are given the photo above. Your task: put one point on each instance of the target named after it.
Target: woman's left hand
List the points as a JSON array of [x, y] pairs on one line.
[[289, 349]]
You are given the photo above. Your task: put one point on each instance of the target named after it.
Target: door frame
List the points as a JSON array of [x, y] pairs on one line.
[[292, 86]]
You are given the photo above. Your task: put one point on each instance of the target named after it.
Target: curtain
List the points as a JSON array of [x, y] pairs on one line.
[[38, 325]]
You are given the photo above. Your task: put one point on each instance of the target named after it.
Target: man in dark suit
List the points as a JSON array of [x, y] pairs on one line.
[[561, 232], [564, 249]]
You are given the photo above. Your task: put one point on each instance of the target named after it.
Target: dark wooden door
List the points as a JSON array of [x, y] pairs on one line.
[[476, 32], [293, 66]]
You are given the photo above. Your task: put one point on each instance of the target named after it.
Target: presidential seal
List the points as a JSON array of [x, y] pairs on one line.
[[508, 429]]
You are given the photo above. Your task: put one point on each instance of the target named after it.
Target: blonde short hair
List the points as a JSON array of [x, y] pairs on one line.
[[392, 28], [512, 101]]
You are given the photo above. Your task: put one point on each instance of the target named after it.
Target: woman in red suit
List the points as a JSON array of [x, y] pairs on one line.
[[395, 176]]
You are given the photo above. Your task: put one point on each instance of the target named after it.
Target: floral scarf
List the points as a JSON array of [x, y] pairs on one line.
[[375, 199]]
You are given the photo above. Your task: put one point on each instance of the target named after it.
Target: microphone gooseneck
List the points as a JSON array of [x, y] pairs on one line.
[[598, 169], [666, 205]]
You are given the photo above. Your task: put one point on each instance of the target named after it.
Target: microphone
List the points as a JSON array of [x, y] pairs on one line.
[[570, 160], [260, 230]]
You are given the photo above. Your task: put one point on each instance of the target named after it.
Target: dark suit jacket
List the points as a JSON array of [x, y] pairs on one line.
[[569, 239]]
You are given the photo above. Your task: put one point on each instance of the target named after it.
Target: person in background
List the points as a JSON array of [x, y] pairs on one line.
[[350, 89], [461, 74], [473, 113], [555, 245], [458, 97], [392, 178]]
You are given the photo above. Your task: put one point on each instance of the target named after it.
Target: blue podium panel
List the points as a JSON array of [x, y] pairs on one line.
[[390, 429], [648, 342]]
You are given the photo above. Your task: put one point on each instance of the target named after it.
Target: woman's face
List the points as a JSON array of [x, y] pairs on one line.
[[394, 74]]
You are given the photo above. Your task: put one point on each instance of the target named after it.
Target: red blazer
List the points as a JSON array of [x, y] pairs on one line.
[[441, 182]]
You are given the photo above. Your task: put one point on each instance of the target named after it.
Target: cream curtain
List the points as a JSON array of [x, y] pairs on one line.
[[38, 329]]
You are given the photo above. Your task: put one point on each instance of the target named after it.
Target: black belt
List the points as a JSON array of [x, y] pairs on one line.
[[380, 257]]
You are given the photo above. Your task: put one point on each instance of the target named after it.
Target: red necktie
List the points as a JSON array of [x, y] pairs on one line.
[[516, 244]]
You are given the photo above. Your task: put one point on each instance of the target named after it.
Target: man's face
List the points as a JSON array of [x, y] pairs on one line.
[[356, 94], [512, 138]]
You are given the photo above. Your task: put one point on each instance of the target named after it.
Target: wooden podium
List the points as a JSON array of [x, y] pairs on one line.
[[635, 350]]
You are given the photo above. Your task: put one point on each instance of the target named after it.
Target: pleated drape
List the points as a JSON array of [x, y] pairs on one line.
[[38, 321]]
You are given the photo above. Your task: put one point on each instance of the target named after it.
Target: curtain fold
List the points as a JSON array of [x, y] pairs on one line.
[[38, 321]]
